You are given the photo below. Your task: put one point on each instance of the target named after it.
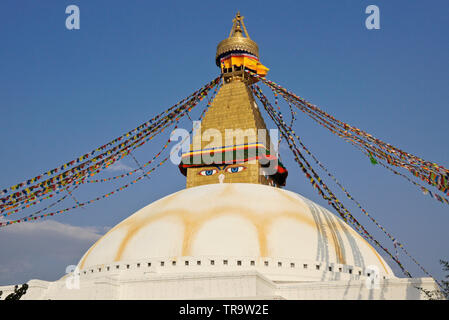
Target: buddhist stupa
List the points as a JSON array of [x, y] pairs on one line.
[[234, 232]]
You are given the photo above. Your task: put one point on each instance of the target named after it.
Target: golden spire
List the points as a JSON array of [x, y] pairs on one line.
[[232, 145], [236, 40]]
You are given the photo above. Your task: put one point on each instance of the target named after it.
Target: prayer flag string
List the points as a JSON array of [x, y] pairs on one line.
[[432, 173], [395, 242], [277, 117], [316, 181], [35, 216], [124, 137], [38, 193]]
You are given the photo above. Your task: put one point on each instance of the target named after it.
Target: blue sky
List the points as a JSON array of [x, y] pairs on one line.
[[63, 93]]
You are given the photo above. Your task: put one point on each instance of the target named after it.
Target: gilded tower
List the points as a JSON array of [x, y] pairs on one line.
[[232, 143]]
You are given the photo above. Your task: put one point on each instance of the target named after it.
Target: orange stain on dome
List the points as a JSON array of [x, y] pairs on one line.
[[193, 221]]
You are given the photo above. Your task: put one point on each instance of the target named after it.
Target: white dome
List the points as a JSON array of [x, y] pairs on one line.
[[238, 222]]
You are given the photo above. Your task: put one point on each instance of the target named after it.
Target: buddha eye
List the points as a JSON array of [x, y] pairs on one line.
[[208, 172], [235, 169]]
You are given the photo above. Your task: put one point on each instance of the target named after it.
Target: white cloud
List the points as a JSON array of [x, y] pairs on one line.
[[284, 146], [55, 228], [42, 249], [119, 166]]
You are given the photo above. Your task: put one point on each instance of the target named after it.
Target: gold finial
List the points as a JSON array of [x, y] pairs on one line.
[[236, 40], [237, 26]]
